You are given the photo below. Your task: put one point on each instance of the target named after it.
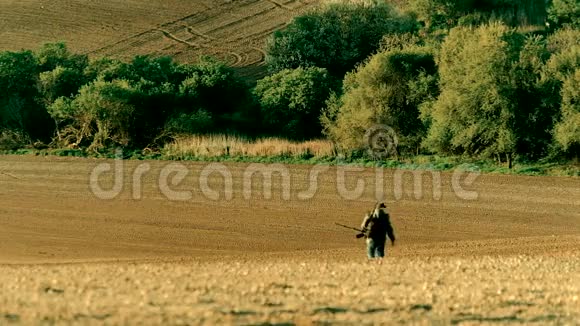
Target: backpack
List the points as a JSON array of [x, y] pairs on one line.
[[377, 225]]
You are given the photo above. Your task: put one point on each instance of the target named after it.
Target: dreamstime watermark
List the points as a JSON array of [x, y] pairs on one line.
[[381, 142], [218, 182]]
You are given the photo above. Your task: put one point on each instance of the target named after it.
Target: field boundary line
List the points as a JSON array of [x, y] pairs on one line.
[[9, 175], [239, 20], [239, 59], [177, 39], [280, 5], [194, 32], [263, 54], [255, 35], [137, 35]]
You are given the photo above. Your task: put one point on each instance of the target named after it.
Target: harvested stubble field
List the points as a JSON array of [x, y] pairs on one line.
[[511, 255], [233, 31]]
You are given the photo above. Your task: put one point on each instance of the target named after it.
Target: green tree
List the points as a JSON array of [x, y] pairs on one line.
[[384, 91], [154, 103], [336, 37], [60, 82], [168, 96], [156, 70], [19, 109], [446, 14], [567, 131], [215, 88], [198, 122], [535, 115], [291, 101], [155, 90], [100, 116], [436, 14], [564, 13], [476, 111], [52, 55], [564, 49], [108, 69]]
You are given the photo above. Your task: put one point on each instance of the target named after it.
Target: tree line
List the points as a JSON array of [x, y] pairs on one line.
[[474, 78]]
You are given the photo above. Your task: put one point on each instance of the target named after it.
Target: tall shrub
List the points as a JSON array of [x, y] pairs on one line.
[[19, 109], [100, 116], [567, 131], [475, 113], [380, 92], [335, 37], [291, 101]]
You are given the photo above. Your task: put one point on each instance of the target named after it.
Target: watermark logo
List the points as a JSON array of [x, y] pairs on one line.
[[220, 182], [216, 181], [118, 176], [381, 142]]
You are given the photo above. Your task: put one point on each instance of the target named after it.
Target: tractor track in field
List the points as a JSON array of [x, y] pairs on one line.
[[232, 31], [104, 49], [280, 5], [194, 32], [206, 32], [239, 59]]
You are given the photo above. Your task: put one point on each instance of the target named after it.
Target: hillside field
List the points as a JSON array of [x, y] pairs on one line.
[[66, 255], [233, 31]]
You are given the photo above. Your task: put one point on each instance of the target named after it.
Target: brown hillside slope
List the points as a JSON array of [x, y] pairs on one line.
[[232, 31], [48, 213], [149, 256]]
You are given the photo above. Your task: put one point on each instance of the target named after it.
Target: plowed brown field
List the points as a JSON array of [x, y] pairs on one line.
[[233, 31], [510, 255]]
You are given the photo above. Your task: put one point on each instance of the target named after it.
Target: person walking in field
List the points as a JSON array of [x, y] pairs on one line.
[[376, 227]]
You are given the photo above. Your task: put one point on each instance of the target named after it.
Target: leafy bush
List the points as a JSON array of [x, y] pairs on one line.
[[291, 101], [476, 110], [564, 49], [380, 92], [107, 69], [564, 46], [534, 115], [13, 140], [52, 55], [19, 109], [100, 116], [446, 14], [564, 13], [214, 87], [563, 39], [60, 82], [500, 92], [199, 122], [436, 14], [567, 131], [171, 98], [336, 37], [399, 41], [156, 70]]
